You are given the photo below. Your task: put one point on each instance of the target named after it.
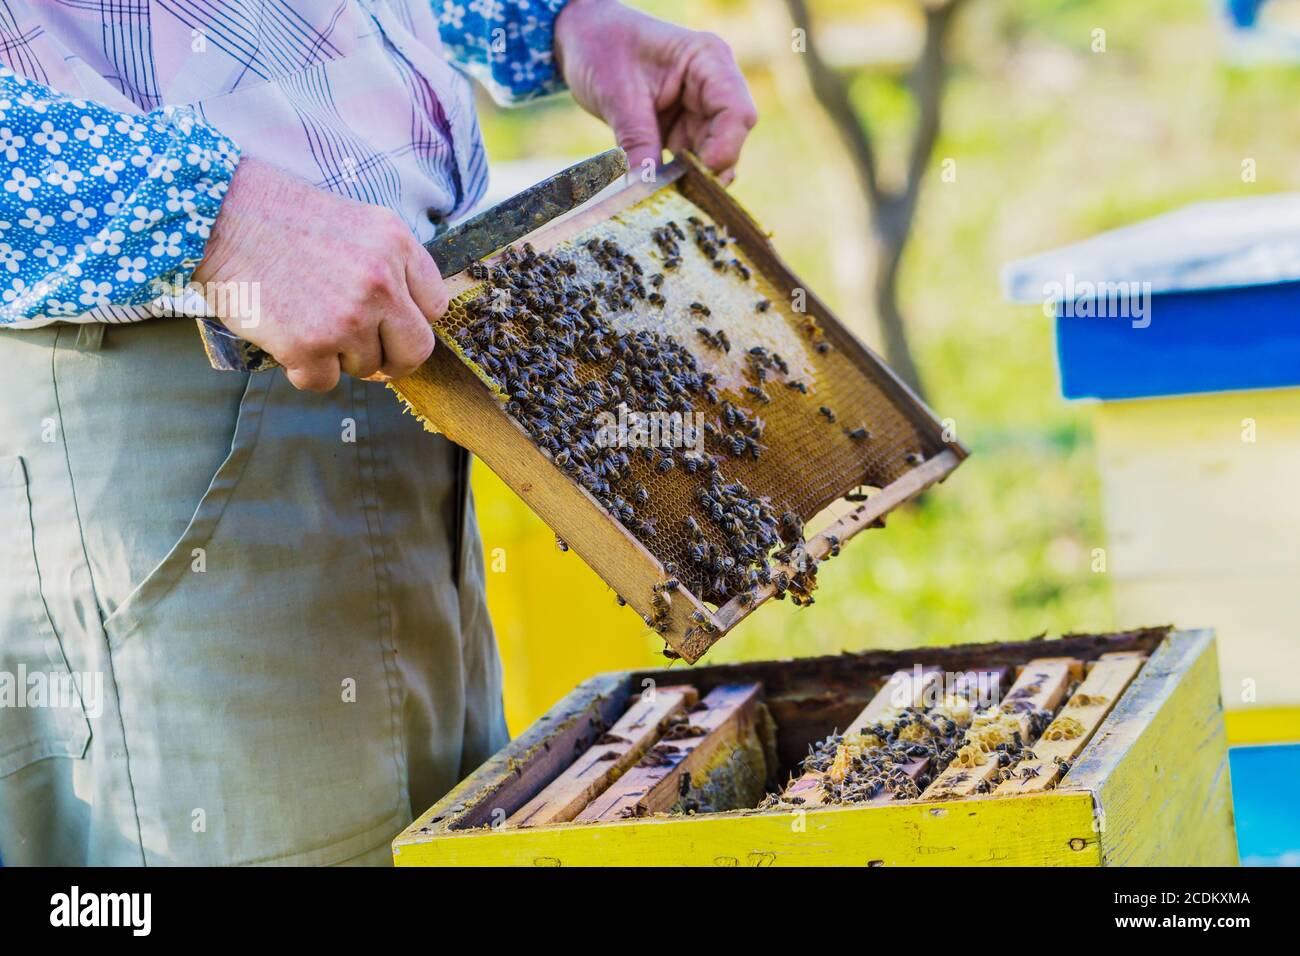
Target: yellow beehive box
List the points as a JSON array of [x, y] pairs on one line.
[[1163, 744], [1201, 520]]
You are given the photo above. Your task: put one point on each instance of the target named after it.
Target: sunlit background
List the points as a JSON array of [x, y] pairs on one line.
[[1051, 140]]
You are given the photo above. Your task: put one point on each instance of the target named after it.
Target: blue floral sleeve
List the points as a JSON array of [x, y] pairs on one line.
[[100, 208], [505, 44]]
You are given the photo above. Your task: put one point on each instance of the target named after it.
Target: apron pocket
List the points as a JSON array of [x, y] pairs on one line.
[[178, 561], [41, 708]]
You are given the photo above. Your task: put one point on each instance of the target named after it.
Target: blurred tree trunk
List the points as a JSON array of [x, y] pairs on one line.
[[892, 208]]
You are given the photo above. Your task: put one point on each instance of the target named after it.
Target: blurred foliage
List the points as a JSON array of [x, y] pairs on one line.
[[1053, 142]]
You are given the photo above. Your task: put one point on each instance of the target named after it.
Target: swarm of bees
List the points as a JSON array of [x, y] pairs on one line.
[[542, 329], [863, 766], [876, 762]]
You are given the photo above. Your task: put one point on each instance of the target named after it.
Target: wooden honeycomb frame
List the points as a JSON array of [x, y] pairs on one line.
[[452, 398]]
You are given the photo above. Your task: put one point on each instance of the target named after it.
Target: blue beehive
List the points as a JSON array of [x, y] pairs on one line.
[[1199, 300]]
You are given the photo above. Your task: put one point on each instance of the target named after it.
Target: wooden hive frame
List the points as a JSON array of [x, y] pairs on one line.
[[1042, 684], [1151, 786], [452, 399]]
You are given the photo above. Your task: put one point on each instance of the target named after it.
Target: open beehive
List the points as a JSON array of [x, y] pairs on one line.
[[1087, 750], [662, 391]]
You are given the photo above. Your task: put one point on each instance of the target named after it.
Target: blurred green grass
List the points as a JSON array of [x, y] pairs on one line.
[[1053, 142]]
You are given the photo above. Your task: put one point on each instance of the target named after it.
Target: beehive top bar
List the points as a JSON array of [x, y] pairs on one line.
[[798, 412], [1067, 735], [724, 718], [612, 754]]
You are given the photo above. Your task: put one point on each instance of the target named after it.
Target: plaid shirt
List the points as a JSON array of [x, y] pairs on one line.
[[121, 125]]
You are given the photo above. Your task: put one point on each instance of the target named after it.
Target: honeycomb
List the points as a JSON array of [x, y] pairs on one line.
[[990, 728], [1063, 728]]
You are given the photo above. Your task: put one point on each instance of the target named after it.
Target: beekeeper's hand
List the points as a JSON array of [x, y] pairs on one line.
[[342, 286], [656, 84]]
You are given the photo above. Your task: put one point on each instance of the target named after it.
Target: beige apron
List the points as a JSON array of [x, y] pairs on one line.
[[253, 590]]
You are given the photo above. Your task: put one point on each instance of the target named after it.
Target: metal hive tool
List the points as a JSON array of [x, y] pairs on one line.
[[877, 436]]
